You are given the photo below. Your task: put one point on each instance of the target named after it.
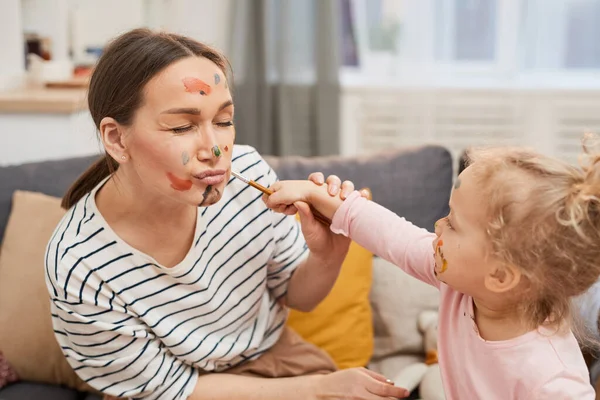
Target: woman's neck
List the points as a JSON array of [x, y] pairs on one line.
[[148, 222], [498, 320]]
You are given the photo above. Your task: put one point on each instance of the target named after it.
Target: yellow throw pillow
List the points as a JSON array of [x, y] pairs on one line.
[[342, 323]]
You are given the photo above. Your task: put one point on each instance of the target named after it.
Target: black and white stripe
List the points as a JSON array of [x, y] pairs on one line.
[[132, 328]]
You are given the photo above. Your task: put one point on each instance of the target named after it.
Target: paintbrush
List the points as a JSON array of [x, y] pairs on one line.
[[318, 216]]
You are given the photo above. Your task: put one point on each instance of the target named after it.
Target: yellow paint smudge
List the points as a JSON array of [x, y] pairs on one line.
[[439, 251]]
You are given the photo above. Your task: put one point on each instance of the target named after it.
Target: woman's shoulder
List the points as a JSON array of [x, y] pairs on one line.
[[79, 236], [247, 161]]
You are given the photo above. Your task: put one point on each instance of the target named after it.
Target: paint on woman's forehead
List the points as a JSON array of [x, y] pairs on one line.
[[195, 85]]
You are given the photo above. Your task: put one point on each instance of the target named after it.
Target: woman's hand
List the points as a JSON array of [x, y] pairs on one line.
[[357, 384], [291, 197]]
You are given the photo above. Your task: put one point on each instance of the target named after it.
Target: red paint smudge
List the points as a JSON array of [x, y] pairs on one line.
[[226, 148], [179, 184], [195, 85]]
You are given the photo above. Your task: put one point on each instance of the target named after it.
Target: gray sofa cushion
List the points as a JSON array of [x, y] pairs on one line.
[[51, 177], [35, 391]]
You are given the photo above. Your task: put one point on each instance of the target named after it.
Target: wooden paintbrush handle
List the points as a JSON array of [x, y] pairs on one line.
[[320, 217]]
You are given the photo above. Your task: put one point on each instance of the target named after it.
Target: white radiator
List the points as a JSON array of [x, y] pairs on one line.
[[552, 122]]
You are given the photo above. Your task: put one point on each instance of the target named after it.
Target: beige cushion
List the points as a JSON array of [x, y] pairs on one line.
[[26, 334], [397, 299]]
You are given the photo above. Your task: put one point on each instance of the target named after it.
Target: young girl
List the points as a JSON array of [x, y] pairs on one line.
[[521, 240]]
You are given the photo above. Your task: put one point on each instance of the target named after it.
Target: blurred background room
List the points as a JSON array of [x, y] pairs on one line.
[[321, 77]]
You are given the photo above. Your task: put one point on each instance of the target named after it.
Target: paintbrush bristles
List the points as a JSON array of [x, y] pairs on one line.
[[240, 177]]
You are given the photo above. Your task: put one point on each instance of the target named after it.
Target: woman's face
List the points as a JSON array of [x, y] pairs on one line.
[[181, 139]]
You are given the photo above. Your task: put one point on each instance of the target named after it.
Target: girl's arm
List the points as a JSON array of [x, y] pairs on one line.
[[367, 223]]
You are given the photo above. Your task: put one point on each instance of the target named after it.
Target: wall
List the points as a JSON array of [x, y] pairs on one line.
[[48, 18], [39, 137], [12, 65]]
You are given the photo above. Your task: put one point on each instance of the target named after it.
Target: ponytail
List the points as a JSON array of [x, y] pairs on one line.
[[99, 170]]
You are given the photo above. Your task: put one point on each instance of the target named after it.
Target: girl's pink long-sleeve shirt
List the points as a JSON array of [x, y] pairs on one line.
[[540, 364]]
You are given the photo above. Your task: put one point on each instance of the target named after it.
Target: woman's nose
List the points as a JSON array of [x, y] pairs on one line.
[[208, 148]]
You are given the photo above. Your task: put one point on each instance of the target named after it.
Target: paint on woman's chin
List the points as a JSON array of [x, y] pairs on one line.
[[195, 85], [226, 148], [209, 191], [440, 253], [179, 184]]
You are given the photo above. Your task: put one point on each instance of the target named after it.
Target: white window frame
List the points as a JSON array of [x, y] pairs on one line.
[[415, 64]]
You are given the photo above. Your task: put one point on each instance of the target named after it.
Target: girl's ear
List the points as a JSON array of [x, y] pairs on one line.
[[501, 279]]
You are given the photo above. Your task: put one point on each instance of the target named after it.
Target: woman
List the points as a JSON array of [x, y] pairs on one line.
[[165, 271]]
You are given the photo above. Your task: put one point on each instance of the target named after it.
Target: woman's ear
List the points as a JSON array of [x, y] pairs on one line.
[[502, 278], [112, 135]]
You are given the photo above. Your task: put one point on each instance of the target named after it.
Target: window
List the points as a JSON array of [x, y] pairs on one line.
[[468, 30], [480, 42]]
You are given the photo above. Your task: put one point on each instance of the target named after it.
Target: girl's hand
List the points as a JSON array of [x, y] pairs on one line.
[[358, 384], [335, 185]]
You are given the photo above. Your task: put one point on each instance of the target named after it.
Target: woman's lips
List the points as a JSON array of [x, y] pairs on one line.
[[212, 180], [212, 177]]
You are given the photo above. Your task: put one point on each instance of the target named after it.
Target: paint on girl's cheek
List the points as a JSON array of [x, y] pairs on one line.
[[179, 184], [195, 85], [185, 158], [439, 251], [226, 148]]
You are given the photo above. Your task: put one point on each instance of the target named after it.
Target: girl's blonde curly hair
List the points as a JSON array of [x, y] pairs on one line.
[[544, 218]]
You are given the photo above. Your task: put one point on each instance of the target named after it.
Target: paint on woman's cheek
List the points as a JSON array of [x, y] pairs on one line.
[[195, 85], [179, 184], [185, 158], [440, 252], [216, 150]]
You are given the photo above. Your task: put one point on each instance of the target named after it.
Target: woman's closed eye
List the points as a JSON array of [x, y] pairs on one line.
[[187, 128], [182, 129]]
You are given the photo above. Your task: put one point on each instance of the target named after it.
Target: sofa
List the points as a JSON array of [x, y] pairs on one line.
[[413, 182]]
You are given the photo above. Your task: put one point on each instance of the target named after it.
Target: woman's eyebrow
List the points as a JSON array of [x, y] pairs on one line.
[[226, 104], [192, 111]]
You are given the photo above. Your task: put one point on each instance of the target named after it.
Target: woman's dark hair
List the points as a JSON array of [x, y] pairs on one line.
[[117, 84]]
